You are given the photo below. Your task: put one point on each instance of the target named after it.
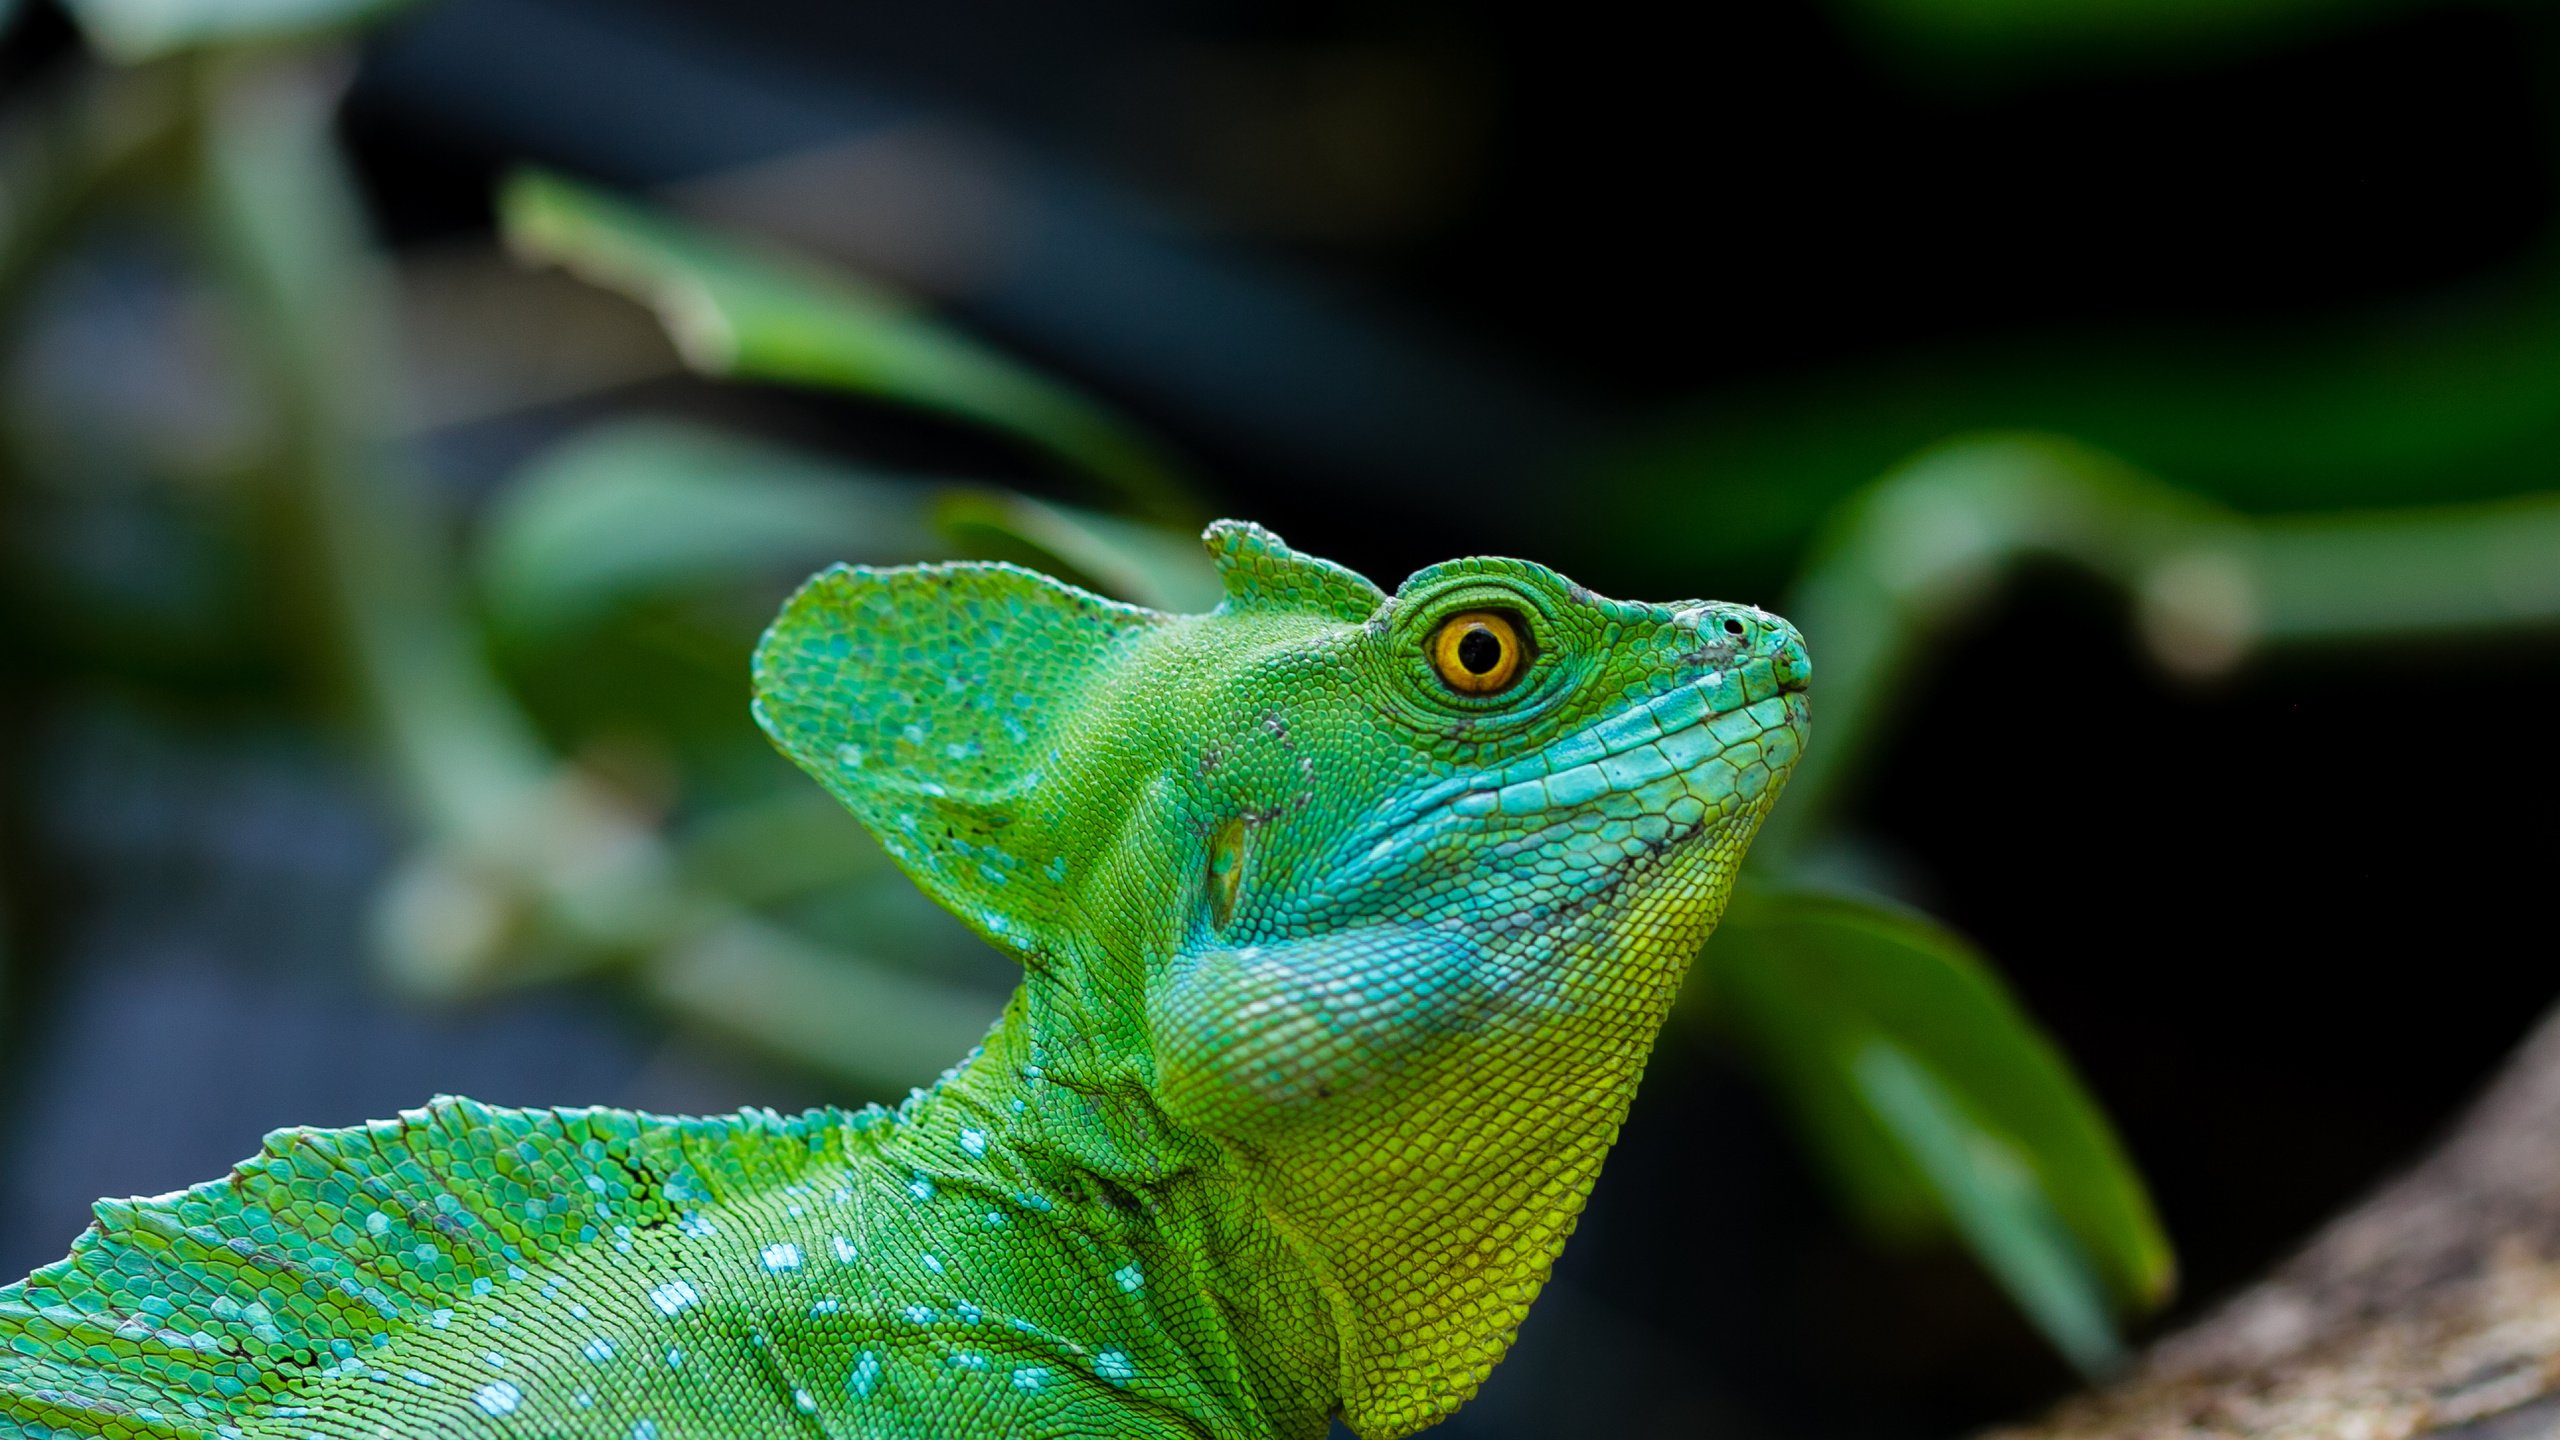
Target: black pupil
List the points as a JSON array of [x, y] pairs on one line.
[[1733, 626], [1480, 650]]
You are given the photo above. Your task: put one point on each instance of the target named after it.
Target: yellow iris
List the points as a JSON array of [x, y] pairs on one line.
[[1479, 652]]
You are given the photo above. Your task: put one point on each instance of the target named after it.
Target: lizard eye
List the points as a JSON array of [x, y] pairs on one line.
[[1479, 652]]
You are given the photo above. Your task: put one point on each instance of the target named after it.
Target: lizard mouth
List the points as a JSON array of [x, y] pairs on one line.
[[1702, 748], [1697, 756]]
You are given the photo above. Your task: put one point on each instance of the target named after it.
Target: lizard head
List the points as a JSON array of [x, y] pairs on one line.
[[1384, 896]]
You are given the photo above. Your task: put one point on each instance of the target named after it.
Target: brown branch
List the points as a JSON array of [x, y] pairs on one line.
[[2431, 1310]]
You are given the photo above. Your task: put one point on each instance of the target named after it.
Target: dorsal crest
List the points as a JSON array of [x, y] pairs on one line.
[[1262, 573]]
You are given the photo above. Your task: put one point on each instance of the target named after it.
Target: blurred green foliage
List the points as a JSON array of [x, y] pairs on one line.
[[2455, 400], [131, 31], [743, 313], [624, 514], [559, 704], [1978, 39], [1972, 1118]]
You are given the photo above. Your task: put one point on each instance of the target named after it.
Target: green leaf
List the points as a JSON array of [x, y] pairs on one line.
[[747, 312], [1812, 983], [642, 508], [1996, 1202], [130, 31]]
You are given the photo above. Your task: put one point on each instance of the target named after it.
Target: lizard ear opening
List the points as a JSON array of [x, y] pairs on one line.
[[924, 698]]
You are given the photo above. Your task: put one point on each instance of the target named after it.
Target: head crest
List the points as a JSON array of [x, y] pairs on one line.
[[927, 698], [1262, 573]]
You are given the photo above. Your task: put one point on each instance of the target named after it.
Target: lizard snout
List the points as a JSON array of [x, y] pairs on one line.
[[1739, 635], [1788, 660]]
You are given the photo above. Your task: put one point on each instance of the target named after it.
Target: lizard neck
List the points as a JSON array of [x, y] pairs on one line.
[[1432, 1236], [1429, 1162], [1059, 1166]]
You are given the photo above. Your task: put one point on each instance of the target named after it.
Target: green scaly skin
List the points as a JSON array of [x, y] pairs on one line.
[[1337, 984]]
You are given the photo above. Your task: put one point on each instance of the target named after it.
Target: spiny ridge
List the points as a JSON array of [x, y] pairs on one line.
[[208, 1312]]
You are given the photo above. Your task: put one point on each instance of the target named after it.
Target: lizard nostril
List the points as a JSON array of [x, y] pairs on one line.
[[1734, 626], [1793, 668]]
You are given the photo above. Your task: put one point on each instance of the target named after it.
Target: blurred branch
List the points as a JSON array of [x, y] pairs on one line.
[[93, 137], [356, 535], [2455, 398], [1927, 547], [2431, 1310], [820, 1009]]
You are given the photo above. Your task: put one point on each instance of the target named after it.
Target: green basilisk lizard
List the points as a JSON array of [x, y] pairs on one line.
[[1346, 921]]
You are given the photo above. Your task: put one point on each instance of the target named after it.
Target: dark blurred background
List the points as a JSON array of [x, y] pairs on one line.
[[1640, 298]]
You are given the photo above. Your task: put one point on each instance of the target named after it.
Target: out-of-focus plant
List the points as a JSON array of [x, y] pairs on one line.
[[1991, 38], [560, 706], [2396, 405], [132, 31], [211, 126], [742, 314]]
